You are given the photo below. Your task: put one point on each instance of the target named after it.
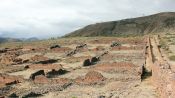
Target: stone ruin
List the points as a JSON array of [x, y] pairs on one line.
[[40, 72], [5, 89], [61, 81], [163, 79], [38, 58], [120, 67], [92, 61], [49, 61], [55, 72], [9, 80], [71, 53], [45, 66], [41, 79], [115, 44], [87, 62], [91, 78], [3, 50], [55, 46], [10, 59], [79, 48]]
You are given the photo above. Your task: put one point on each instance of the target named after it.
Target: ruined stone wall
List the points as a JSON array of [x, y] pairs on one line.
[[164, 80]]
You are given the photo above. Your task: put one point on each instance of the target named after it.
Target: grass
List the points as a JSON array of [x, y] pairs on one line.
[[172, 58], [163, 44]]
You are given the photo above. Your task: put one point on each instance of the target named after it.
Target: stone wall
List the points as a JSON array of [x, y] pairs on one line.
[[164, 80]]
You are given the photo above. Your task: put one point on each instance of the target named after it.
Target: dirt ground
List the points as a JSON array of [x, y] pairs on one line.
[[88, 68]]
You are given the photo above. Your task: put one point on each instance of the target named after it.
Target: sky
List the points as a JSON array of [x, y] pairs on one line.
[[54, 18]]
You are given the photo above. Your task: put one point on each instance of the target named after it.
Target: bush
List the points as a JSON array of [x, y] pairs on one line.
[[172, 58]]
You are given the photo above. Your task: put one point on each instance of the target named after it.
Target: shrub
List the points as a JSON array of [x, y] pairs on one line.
[[172, 58]]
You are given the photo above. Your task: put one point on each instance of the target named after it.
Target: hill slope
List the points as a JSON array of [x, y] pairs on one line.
[[157, 23]]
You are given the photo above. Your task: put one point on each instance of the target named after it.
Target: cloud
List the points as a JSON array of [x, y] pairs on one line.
[[47, 18]]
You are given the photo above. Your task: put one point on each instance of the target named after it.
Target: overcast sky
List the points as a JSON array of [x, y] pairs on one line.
[[47, 18]]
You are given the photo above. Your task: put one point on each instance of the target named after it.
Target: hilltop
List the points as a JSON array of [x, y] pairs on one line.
[[157, 23]]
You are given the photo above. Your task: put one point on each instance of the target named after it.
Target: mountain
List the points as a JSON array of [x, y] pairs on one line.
[[31, 39], [2, 40], [157, 23]]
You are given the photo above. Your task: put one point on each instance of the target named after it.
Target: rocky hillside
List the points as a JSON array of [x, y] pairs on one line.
[[157, 23]]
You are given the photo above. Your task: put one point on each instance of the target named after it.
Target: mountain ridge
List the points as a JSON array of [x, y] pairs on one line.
[[156, 23], [7, 39]]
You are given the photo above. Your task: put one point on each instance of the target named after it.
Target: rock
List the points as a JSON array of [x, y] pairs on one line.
[[54, 73], [81, 46], [3, 50], [115, 44], [115, 96], [71, 53], [40, 72], [13, 95], [32, 95], [101, 96], [94, 60], [87, 62], [55, 46], [41, 79], [50, 61], [5, 90]]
